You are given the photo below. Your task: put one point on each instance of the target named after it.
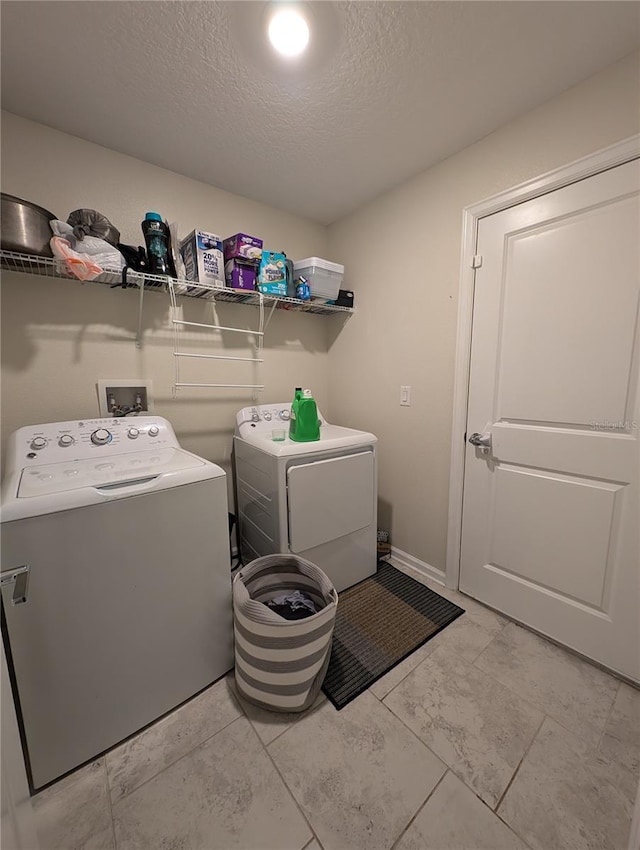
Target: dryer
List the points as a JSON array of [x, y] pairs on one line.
[[116, 583], [317, 500]]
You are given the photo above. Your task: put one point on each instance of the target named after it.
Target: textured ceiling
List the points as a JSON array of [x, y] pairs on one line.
[[385, 90]]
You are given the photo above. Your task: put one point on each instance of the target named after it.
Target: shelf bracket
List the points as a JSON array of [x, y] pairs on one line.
[[140, 303], [271, 311]]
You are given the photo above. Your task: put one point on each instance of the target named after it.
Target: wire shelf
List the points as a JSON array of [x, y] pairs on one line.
[[50, 267]]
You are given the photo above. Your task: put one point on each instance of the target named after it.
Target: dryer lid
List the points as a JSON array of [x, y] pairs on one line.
[[332, 438]]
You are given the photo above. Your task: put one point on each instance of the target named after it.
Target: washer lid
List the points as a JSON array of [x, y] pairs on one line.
[[49, 488], [103, 472]]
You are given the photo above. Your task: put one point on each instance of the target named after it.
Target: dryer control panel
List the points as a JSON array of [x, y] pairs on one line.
[[87, 438], [263, 418]]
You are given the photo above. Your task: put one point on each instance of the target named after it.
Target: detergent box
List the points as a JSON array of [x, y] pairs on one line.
[[203, 258], [242, 247], [272, 274], [240, 274]]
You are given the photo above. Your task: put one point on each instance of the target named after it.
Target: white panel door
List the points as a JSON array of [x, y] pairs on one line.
[[550, 512]]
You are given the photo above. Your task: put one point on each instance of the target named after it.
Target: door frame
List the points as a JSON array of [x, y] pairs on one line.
[[602, 160]]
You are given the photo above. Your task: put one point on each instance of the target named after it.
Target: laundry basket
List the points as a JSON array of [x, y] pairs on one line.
[[281, 664]]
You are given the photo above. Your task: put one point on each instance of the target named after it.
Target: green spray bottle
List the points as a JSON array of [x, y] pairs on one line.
[[304, 426]]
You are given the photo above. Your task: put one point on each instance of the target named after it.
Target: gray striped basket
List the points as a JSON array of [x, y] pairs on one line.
[[281, 664]]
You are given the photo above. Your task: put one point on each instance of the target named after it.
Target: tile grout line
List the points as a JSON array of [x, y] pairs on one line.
[[419, 664], [535, 735], [442, 643], [266, 747], [538, 706], [409, 729], [606, 722], [110, 804], [290, 792], [515, 772], [420, 808], [453, 771], [167, 766], [485, 648], [381, 699], [291, 724], [493, 812]]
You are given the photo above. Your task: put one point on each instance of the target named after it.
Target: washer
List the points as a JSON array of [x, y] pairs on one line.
[[116, 585], [317, 500]]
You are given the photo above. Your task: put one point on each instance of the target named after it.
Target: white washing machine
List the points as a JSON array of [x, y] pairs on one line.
[[317, 500], [116, 585]]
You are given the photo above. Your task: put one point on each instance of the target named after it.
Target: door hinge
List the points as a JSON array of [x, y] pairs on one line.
[[476, 262]]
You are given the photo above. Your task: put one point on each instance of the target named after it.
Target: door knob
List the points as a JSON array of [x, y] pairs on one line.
[[481, 440]]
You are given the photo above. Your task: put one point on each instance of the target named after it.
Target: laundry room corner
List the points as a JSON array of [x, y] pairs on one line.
[[320, 425], [404, 332], [59, 337]]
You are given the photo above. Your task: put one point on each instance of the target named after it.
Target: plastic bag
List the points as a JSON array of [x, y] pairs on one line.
[[78, 265], [93, 223], [96, 254]]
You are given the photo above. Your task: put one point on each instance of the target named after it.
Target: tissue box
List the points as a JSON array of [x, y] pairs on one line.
[[203, 258], [242, 247], [239, 274], [272, 274]]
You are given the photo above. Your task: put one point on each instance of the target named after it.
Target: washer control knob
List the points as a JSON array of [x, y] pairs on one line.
[[153, 430], [255, 416], [38, 443], [284, 415], [267, 417], [66, 440], [101, 437], [132, 433]]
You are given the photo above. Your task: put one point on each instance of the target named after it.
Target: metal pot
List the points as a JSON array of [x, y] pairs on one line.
[[25, 227]]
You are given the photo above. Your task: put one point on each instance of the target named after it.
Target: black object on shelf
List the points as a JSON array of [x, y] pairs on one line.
[[345, 298]]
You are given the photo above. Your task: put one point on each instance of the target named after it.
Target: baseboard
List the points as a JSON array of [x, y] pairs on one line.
[[410, 562]]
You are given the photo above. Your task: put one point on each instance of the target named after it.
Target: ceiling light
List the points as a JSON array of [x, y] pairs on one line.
[[288, 32]]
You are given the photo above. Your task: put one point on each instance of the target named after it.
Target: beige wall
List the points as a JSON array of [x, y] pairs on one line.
[[59, 337], [402, 253], [402, 257]]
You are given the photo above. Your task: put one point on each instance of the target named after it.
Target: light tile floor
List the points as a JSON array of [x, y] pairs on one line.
[[487, 737]]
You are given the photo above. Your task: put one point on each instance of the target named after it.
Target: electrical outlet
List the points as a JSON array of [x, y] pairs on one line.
[[116, 397], [405, 396]]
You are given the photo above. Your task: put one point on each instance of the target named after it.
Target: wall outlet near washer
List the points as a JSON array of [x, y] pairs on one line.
[[124, 395]]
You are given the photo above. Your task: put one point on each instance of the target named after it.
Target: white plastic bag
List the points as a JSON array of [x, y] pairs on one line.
[[95, 257]]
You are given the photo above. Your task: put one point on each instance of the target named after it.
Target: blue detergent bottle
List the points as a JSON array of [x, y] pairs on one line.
[[158, 240]]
